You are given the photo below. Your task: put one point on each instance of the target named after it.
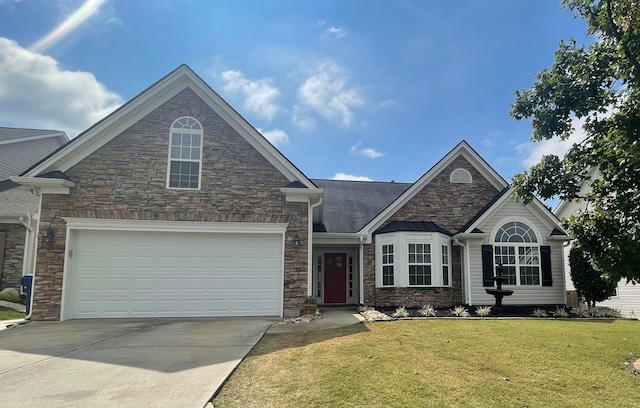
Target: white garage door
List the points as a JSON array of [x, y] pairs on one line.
[[163, 274]]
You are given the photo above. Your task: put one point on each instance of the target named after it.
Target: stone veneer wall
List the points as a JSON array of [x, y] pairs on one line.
[[126, 179], [11, 268], [451, 206]]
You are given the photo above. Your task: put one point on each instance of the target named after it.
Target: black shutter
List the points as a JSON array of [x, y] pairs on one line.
[[487, 265], [545, 252]]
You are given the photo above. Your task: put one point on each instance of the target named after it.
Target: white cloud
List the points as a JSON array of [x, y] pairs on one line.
[[388, 103], [488, 142], [337, 32], [326, 92], [366, 151], [535, 150], [259, 96], [350, 177], [302, 120], [36, 92], [277, 137]]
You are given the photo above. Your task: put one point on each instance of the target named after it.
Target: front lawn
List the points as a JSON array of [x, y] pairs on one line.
[[443, 363], [9, 314]]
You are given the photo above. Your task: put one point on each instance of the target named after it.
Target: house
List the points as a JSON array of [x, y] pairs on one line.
[[174, 205], [627, 296], [20, 149]]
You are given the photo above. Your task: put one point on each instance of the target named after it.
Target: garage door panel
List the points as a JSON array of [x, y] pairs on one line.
[[139, 274]]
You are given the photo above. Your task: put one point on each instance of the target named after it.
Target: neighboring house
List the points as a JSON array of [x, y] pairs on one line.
[[20, 149], [174, 205], [627, 296]]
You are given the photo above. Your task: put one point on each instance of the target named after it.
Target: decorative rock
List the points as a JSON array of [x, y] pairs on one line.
[[10, 291]]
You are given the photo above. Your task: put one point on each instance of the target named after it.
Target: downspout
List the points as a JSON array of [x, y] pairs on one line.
[[35, 252], [310, 247], [361, 264], [467, 277], [27, 241]]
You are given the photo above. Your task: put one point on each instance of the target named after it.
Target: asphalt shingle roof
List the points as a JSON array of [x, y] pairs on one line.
[[16, 200], [17, 155], [350, 205]]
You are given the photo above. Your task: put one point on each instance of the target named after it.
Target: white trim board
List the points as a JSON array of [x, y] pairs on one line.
[[176, 226]]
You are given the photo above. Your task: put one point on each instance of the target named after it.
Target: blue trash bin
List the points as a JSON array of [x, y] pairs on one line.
[[27, 284]]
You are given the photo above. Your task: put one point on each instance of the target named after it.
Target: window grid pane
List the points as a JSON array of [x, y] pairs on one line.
[[420, 275], [185, 154], [387, 265], [419, 264]]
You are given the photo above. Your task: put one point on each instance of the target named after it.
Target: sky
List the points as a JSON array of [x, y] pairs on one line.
[[359, 89]]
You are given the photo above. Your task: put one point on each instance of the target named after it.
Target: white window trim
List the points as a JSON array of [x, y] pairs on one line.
[[401, 241], [516, 245], [391, 264], [429, 264], [443, 264], [199, 161]]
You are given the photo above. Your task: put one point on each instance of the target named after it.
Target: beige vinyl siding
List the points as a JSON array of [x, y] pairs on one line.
[[627, 300], [523, 295]]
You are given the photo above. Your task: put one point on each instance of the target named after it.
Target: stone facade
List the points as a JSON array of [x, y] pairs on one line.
[[451, 206], [11, 259], [126, 179]]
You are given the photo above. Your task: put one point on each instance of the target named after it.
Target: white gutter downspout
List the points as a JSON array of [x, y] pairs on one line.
[[27, 241], [467, 277], [310, 247], [361, 263]]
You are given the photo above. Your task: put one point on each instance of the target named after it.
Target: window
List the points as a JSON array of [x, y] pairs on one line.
[[419, 264], [413, 259], [387, 265], [185, 154], [445, 265], [518, 251], [461, 176]]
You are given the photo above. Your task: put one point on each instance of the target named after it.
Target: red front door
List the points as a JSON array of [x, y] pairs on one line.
[[335, 278]]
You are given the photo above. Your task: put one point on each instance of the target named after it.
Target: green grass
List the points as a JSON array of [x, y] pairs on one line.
[[443, 363], [8, 314], [10, 298]]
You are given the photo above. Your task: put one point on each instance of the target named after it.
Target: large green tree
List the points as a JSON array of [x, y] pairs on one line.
[[597, 84]]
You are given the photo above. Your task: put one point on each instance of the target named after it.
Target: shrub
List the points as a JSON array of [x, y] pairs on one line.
[[540, 313], [581, 311], [427, 311], [602, 311], [400, 312], [459, 311], [560, 312], [483, 311]]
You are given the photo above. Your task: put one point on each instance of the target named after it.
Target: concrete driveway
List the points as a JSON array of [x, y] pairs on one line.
[[123, 363]]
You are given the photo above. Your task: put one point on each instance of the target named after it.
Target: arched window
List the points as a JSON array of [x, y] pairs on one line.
[[516, 248], [185, 154], [461, 176]]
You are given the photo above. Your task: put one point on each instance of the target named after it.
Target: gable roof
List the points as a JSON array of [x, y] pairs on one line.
[[22, 148], [535, 206], [461, 149], [348, 205], [144, 103]]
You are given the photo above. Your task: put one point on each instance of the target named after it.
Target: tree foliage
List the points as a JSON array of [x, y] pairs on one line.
[[590, 284], [597, 84]]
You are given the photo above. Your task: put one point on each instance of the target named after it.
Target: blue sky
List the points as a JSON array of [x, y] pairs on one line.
[[364, 88]]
